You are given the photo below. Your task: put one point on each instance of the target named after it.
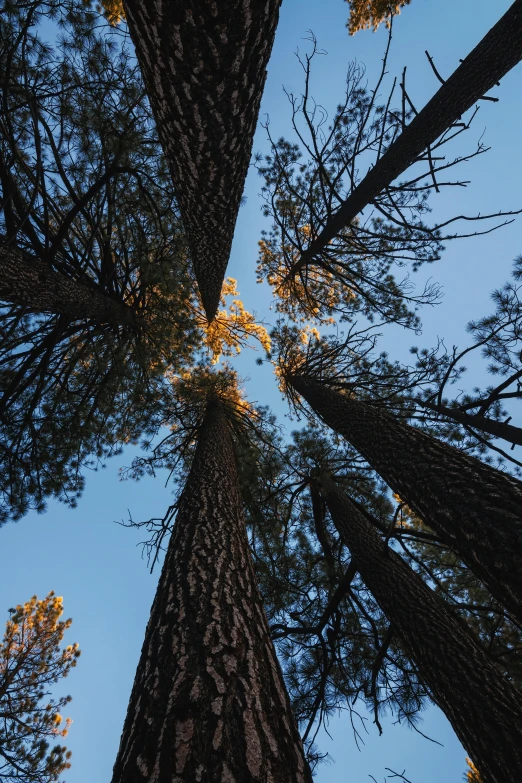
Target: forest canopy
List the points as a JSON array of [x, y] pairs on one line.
[[355, 549]]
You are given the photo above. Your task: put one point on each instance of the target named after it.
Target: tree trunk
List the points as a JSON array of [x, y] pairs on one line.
[[209, 702], [483, 707], [204, 65], [475, 509], [31, 282], [498, 52], [499, 429]]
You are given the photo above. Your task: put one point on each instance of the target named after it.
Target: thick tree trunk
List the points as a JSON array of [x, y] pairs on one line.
[[483, 707], [475, 509], [29, 281], [204, 65], [499, 429], [498, 52], [209, 703]]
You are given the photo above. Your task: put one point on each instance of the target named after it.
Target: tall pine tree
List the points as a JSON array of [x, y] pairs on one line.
[[209, 702]]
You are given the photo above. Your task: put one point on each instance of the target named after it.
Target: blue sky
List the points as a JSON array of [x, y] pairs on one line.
[[96, 564]]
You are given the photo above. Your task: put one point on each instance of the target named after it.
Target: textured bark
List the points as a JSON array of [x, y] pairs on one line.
[[31, 282], [209, 702], [498, 52], [475, 509], [483, 707], [204, 64]]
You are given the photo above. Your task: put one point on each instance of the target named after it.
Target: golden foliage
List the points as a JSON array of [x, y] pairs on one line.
[[370, 13], [292, 352], [408, 518], [199, 385], [231, 329], [314, 295], [472, 775], [307, 333], [31, 661], [112, 11]]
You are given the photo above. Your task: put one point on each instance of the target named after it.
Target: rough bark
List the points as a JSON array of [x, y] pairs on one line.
[[475, 509], [204, 65], [499, 429], [483, 707], [31, 282], [498, 52], [209, 702]]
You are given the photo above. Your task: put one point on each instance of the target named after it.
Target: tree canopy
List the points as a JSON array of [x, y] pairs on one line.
[[86, 192], [371, 13], [31, 662], [121, 174]]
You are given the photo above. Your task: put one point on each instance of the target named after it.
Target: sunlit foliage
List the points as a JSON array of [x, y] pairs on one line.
[[371, 13], [231, 328], [305, 182], [112, 11], [430, 391], [190, 394], [85, 186], [31, 662], [472, 774], [174, 449], [362, 265]]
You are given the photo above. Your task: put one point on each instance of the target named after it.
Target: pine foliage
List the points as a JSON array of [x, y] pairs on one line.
[[31, 662], [85, 188], [371, 13]]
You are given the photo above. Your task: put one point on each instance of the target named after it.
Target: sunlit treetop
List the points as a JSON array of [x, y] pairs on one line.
[[315, 180], [371, 13], [306, 181], [231, 328], [313, 297], [31, 662], [427, 392], [363, 13], [198, 387], [191, 393], [194, 393]]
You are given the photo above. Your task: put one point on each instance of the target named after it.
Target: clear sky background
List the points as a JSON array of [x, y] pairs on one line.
[[96, 564]]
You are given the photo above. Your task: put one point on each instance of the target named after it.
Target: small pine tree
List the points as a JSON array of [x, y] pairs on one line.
[[31, 660]]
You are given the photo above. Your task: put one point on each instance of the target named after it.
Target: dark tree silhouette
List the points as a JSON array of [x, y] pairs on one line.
[[40, 289], [209, 700], [98, 298], [474, 508], [483, 708], [498, 52], [310, 178], [204, 66]]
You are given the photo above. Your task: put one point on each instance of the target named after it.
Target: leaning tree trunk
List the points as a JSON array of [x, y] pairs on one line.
[[499, 429], [481, 705], [209, 702], [498, 52], [204, 65], [29, 281], [475, 509]]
